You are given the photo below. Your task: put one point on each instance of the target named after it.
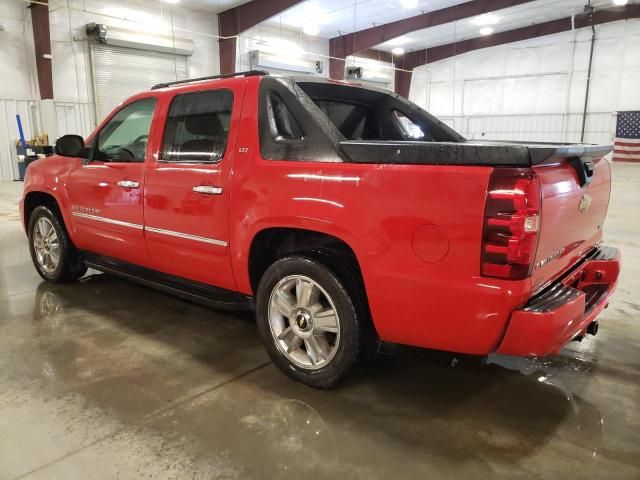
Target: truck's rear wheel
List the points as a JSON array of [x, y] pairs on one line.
[[308, 322], [53, 254]]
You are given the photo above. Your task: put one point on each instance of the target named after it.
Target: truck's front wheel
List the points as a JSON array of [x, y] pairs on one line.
[[53, 254], [308, 322]]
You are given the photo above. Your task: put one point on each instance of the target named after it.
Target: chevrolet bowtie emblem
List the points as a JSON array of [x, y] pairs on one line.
[[585, 203]]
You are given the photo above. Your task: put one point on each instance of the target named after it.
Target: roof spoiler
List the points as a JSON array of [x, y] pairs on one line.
[[541, 153]]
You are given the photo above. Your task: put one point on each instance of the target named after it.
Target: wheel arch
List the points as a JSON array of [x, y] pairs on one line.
[[35, 199], [272, 243]]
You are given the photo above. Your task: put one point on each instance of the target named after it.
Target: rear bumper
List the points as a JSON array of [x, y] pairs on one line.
[[564, 310]]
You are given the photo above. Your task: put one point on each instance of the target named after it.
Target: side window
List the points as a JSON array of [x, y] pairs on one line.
[[282, 124], [124, 137], [409, 129], [197, 127]]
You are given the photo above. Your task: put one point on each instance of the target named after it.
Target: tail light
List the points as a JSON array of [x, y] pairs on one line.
[[511, 224]]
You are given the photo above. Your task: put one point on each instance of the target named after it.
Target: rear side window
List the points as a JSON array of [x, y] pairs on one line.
[[282, 123], [409, 129], [197, 127]]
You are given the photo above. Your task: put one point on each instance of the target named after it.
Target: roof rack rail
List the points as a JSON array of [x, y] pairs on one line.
[[248, 73]]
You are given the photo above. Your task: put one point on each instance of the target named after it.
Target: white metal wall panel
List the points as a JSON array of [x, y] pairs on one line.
[[74, 118], [524, 94], [599, 128], [120, 72], [535, 89], [27, 109]]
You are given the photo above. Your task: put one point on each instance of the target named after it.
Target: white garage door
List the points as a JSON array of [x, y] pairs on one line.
[[120, 72]]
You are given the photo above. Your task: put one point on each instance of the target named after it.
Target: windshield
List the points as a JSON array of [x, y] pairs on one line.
[[124, 137]]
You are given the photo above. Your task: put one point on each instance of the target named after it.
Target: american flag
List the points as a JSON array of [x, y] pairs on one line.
[[626, 147]]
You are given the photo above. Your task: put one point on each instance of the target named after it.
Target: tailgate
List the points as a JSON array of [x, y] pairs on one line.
[[575, 197]]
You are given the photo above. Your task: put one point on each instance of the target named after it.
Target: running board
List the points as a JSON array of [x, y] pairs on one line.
[[197, 292]]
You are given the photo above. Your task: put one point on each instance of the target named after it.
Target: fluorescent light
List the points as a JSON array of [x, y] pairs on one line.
[[311, 29], [409, 3], [394, 42], [620, 2], [485, 19], [398, 51], [486, 31], [171, 1]]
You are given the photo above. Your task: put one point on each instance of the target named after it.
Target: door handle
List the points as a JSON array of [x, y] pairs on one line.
[[128, 184], [208, 189]]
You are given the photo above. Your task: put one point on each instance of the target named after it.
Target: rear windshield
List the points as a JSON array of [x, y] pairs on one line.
[[364, 114], [355, 122]]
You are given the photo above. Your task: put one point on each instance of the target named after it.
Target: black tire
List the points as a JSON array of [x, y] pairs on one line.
[[70, 266], [354, 326]]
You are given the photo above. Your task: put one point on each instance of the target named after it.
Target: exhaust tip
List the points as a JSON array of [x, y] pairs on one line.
[[592, 329]]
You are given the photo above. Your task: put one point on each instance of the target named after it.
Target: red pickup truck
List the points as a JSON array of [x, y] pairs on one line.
[[345, 215]]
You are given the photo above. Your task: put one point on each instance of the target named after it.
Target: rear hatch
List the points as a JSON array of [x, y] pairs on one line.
[[574, 201]]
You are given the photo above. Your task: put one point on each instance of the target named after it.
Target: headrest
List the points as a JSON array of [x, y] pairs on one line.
[[205, 124]]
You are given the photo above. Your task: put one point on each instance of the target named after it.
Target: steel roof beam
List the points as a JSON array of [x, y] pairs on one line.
[[236, 20], [411, 60], [351, 43]]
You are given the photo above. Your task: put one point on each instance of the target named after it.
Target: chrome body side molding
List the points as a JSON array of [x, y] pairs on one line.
[[188, 236], [108, 220], [161, 231]]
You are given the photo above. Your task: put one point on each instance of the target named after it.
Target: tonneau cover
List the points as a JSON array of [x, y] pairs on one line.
[[471, 152]]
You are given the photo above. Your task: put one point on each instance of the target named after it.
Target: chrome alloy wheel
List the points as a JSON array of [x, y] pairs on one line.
[[304, 322], [46, 245]]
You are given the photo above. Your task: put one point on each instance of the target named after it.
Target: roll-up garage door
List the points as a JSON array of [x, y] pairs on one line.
[[119, 72]]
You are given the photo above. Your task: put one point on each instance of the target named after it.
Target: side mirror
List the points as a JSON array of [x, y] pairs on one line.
[[70, 146]]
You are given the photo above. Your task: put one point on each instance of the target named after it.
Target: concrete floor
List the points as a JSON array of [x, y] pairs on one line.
[[105, 379]]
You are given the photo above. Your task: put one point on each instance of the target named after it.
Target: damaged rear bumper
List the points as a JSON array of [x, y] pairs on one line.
[[565, 310]]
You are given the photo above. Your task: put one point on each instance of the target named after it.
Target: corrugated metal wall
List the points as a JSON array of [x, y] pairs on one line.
[[120, 72], [28, 111], [72, 117], [75, 117], [599, 128]]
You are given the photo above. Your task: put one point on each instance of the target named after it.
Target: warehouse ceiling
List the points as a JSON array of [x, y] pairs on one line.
[[337, 17], [215, 6], [333, 18], [503, 20]]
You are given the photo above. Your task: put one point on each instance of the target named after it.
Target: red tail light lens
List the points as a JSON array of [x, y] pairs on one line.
[[511, 224]]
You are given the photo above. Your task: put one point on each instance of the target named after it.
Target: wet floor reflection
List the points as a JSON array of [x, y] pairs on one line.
[[181, 370]]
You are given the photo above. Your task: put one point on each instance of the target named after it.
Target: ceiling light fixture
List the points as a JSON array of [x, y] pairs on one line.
[[398, 51], [171, 1], [396, 42], [486, 31], [311, 29], [485, 19], [620, 3], [408, 4]]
